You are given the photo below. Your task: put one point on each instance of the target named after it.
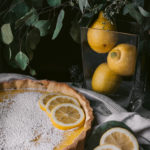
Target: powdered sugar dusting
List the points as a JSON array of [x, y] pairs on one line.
[[24, 126]]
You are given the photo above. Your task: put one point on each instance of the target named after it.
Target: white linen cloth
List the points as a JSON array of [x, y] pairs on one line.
[[105, 110]]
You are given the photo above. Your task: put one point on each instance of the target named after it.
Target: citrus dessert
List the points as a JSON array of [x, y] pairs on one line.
[[25, 126], [122, 59], [98, 36], [105, 80]]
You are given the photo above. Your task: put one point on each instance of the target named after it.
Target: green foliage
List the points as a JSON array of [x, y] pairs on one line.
[[6, 33], [32, 72], [33, 38], [24, 22], [59, 24], [43, 26], [9, 55], [54, 3], [75, 31], [31, 17], [144, 12], [22, 60], [83, 4], [20, 9], [131, 9]]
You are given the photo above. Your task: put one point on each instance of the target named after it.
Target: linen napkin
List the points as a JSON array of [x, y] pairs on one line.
[[105, 110]]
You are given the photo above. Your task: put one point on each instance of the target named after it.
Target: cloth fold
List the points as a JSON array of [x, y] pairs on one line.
[[105, 109]]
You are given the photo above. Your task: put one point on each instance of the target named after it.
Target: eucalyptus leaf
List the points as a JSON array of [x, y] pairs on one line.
[[127, 8], [33, 38], [144, 12], [131, 9], [20, 9], [54, 3], [29, 18], [59, 24], [75, 31], [136, 15], [22, 60], [32, 72], [43, 26], [138, 2], [83, 4], [7, 53], [6, 33], [10, 54], [33, 18]]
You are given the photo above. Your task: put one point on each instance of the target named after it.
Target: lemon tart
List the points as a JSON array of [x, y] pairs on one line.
[[25, 126]]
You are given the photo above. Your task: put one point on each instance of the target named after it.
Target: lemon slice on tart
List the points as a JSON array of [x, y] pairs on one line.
[[61, 99], [67, 116], [121, 138], [45, 98], [107, 147]]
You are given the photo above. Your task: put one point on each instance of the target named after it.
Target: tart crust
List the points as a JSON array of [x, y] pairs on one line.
[[52, 86]]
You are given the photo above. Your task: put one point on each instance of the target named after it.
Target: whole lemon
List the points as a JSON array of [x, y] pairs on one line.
[[99, 38], [122, 59], [105, 80]]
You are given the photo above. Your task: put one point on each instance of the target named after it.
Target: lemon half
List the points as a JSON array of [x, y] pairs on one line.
[[120, 137]]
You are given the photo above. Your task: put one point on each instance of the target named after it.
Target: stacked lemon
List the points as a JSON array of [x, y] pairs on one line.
[[118, 139], [121, 59], [64, 111]]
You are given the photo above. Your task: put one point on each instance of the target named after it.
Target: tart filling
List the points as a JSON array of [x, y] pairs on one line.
[[34, 130], [25, 126]]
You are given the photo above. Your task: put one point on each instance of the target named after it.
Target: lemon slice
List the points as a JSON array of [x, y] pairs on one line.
[[121, 138], [67, 116], [45, 98], [107, 147], [61, 99]]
